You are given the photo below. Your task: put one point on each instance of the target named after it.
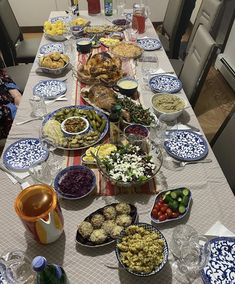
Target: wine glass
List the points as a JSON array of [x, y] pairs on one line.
[[194, 256]]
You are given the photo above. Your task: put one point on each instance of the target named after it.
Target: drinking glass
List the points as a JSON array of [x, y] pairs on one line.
[[181, 234], [145, 3], [49, 144], [41, 173], [194, 256], [158, 132], [121, 7], [131, 34], [17, 268], [38, 106]]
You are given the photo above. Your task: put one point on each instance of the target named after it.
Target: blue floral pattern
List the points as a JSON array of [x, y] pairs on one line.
[[221, 265], [24, 153], [186, 145], [52, 47], [165, 83], [2, 274], [65, 19], [149, 43], [50, 89]]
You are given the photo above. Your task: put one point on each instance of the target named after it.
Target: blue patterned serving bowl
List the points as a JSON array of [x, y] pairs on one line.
[[165, 252]]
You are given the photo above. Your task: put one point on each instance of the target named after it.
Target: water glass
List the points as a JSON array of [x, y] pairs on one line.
[[181, 235], [38, 106], [132, 34], [121, 7], [158, 132], [16, 268], [41, 173], [194, 256]]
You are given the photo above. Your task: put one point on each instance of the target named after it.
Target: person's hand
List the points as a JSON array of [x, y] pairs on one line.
[[16, 96]]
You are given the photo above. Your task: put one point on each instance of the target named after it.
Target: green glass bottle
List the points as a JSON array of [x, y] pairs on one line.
[[108, 7], [48, 273]]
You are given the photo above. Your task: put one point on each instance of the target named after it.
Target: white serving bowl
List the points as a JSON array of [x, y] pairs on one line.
[[75, 133], [55, 37], [168, 115]]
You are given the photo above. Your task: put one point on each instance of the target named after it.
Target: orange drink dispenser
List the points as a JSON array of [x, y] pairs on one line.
[[40, 212]]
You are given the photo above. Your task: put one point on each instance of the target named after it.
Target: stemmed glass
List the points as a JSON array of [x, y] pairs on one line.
[[194, 256]]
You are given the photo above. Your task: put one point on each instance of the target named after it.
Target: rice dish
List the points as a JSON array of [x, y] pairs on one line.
[[98, 236], [85, 229], [108, 226], [109, 212], [97, 220], [123, 208], [116, 231], [123, 220]]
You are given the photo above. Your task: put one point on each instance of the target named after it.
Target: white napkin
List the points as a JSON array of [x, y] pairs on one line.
[[21, 175], [219, 230]]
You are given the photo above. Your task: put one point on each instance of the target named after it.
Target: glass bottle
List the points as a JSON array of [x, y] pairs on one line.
[[48, 273], [93, 7], [114, 119], [108, 7]]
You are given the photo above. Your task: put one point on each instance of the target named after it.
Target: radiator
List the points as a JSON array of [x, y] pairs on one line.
[[226, 70]]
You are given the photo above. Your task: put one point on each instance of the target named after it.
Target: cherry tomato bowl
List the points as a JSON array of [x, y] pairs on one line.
[[171, 205]]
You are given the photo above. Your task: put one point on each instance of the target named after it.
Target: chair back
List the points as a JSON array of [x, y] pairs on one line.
[[9, 22], [223, 148], [207, 16], [197, 63], [171, 20], [10, 33]]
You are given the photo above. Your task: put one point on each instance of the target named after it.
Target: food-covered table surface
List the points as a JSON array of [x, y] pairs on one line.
[[212, 199]]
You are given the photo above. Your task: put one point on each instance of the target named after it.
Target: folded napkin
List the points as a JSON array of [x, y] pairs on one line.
[[21, 175], [219, 230]]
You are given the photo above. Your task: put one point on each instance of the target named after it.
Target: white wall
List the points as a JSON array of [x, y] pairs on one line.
[[35, 12]]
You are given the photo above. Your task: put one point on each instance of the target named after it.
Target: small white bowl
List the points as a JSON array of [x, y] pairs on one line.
[[168, 116], [75, 133]]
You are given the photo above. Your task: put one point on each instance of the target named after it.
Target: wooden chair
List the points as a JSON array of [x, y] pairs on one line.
[[223, 147], [14, 47]]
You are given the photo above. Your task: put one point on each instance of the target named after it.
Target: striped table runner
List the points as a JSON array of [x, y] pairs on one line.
[[104, 187]]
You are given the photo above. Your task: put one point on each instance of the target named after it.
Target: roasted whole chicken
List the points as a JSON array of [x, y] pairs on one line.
[[102, 97], [101, 68]]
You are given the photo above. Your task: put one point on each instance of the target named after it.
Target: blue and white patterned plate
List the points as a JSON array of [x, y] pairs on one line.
[[52, 47], [186, 145], [65, 19], [221, 265], [50, 89], [3, 279], [24, 153], [149, 43], [165, 83]]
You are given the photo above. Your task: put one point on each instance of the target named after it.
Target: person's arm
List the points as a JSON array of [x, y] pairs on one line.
[[16, 96]]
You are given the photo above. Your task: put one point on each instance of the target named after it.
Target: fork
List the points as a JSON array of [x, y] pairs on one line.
[[22, 183], [183, 164]]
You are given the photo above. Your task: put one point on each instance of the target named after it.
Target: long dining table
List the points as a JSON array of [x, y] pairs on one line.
[[212, 197]]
